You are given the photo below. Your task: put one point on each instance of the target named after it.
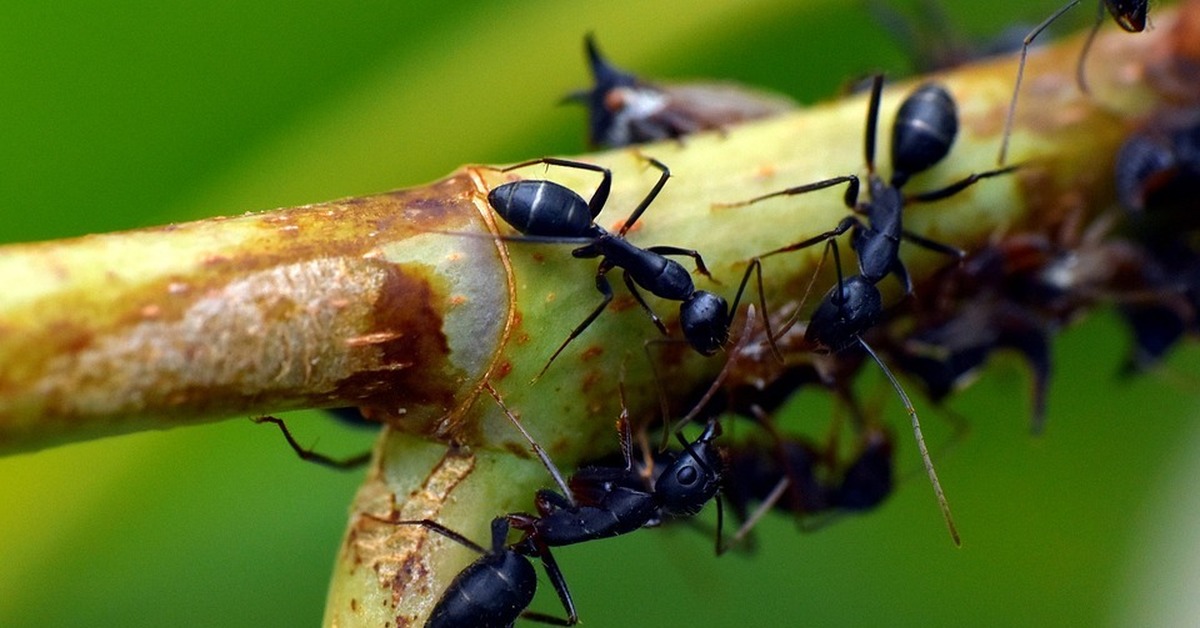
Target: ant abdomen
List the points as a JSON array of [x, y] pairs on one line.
[[923, 132], [541, 208], [492, 591]]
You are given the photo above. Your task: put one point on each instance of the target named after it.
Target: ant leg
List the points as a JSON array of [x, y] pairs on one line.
[[916, 425], [309, 455], [958, 186], [1080, 79], [1012, 103], [872, 122], [560, 587], [842, 227], [751, 522], [498, 541], [756, 266], [637, 211], [851, 197], [933, 245], [605, 289], [692, 253], [599, 197], [537, 449], [720, 379], [637, 295]]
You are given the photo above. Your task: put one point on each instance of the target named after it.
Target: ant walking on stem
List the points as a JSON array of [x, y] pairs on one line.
[[545, 211], [922, 135]]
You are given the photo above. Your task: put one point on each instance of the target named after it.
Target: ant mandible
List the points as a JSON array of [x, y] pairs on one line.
[[1128, 14], [545, 211], [922, 135]]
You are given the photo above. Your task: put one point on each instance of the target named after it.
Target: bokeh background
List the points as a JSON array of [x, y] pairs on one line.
[[122, 114]]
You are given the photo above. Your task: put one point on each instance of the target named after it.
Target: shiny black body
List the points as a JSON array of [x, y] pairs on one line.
[[609, 501], [495, 590], [549, 212]]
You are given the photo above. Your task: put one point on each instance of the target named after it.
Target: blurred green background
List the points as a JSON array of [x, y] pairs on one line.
[[122, 114]]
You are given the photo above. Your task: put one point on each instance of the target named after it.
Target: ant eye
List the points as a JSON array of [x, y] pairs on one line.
[[687, 475]]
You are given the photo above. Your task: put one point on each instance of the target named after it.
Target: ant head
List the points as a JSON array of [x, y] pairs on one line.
[[704, 318], [847, 311], [693, 478], [923, 132], [1129, 14]]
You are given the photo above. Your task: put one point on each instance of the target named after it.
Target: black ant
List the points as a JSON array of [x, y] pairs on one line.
[[1130, 15], [495, 590], [597, 502], [922, 135], [343, 464], [624, 110], [545, 211]]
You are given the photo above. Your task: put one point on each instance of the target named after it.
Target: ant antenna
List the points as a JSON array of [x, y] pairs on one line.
[[1012, 104], [916, 424], [721, 377], [537, 449], [309, 455]]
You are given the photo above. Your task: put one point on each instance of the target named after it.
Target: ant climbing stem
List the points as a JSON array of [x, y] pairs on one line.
[[546, 212], [1130, 15], [496, 589], [345, 464], [923, 133]]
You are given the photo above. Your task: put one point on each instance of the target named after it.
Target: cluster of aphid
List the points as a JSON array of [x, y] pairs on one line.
[[1013, 294]]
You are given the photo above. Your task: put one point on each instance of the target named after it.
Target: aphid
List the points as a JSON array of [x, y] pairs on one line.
[[624, 110], [922, 135], [793, 475], [545, 211], [1158, 180], [1128, 14]]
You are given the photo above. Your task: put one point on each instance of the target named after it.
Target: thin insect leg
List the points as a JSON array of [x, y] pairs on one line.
[[1012, 103], [692, 253], [537, 449], [664, 407], [637, 296], [842, 227], [637, 211], [605, 289], [751, 522], [756, 267], [837, 265], [916, 425], [933, 245], [812, 281], [851, 196], [721, 377], [872, 122], [624, 434], [1080, 75], [309, 455], [958, 186], [444, 531], [599, 197], [560, 587]]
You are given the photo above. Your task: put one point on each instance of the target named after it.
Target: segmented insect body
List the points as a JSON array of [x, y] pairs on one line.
[[544, 211]]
